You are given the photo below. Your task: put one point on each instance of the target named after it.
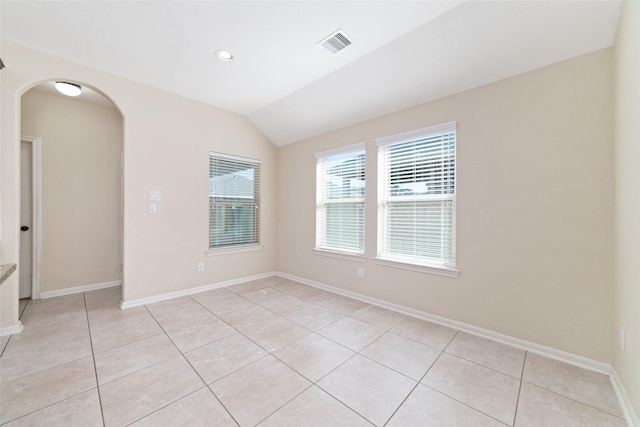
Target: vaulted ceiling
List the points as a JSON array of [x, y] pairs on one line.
[[403, 53]]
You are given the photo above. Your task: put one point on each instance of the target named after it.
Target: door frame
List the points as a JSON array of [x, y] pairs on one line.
[[36, 204]]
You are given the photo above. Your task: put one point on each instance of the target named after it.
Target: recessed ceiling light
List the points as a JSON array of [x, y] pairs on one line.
[[69, 89], [224, 55]]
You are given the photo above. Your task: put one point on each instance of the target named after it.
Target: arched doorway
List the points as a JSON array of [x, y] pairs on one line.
[[76, 212]]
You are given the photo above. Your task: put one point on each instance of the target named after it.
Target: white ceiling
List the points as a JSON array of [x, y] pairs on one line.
[[403, 52]]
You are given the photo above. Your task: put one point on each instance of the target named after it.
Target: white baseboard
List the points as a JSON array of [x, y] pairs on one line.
[[10, 330], [190, 291], [78, 289], [563, 356], [552, 353], [623, 398]]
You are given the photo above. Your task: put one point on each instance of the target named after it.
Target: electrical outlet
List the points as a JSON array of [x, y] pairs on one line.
[[201, 266], [361, 272], [152, 208], [621, 336]]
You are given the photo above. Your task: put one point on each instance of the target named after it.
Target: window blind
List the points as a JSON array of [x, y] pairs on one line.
[[234, 201], [340, 196], [417, 196]]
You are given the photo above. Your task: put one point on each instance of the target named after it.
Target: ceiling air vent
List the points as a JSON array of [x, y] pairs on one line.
[[335, 42]]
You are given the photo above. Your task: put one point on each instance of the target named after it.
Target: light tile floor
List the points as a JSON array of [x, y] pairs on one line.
[[274, 352]]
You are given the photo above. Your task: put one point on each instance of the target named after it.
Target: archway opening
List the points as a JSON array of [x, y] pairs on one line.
[[76, 211]]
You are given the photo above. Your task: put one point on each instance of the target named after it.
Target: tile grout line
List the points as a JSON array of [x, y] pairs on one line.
[[125, 344], [334, 397], [313, 332], [181, 354], [279, 315], [260, 304], [419, 381], [52, 367], [483, 366], [189, 362], [312, 383], [356, 353], [293, 295], [515, 413], [359, 353], [238, 331], [565, 396], [93, 357], [221, 404], [268, 353], [443, 351], [574, 400], [464, 404], [285, 403]]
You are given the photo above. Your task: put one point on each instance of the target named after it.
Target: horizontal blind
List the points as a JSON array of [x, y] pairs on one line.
[[234, 201], [417, 197], [340, 200]]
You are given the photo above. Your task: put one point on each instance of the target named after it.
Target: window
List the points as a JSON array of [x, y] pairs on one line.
[[234, 202], [417, 197], [340, 200]]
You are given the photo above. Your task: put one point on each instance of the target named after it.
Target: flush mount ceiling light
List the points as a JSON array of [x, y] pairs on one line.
[[224, 55], [69, 89]]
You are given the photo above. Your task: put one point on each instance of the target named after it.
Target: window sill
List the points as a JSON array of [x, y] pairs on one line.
[[233, 250], [341, 255], [422, 268]]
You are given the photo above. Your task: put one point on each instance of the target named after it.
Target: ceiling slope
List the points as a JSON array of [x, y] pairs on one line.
[[403, 52], [472, 45]]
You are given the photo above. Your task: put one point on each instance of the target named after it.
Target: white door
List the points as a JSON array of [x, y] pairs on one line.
[[26, 217]]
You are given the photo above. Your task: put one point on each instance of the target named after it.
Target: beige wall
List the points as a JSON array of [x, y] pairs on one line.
[[627, 189], [534, 208], [81, 207], [167, 139]]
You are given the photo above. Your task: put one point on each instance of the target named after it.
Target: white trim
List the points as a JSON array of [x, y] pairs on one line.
[[354, 148], [233, 249], [572, 359], [422, 268], [78, 289], [552, 353], [562, 356], [340, 255], [323, 160], [36, 209], [386, 199], [37, 215], [417, 134], [190, 291], [232, 157], [10, 330], [625, 403]]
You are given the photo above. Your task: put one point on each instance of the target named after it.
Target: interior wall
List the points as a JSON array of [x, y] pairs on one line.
[[167, 140], [627, 184], [81, 189], [534, 208]]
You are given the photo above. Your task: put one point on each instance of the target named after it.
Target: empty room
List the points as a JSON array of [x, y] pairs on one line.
[[320, 213]]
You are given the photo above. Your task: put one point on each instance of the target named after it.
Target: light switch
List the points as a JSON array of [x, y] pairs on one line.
[[152, 208], [154, 195]]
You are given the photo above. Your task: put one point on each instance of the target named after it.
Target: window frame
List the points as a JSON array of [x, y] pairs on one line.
[[385, 255], [255, 202], [321, 246]]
